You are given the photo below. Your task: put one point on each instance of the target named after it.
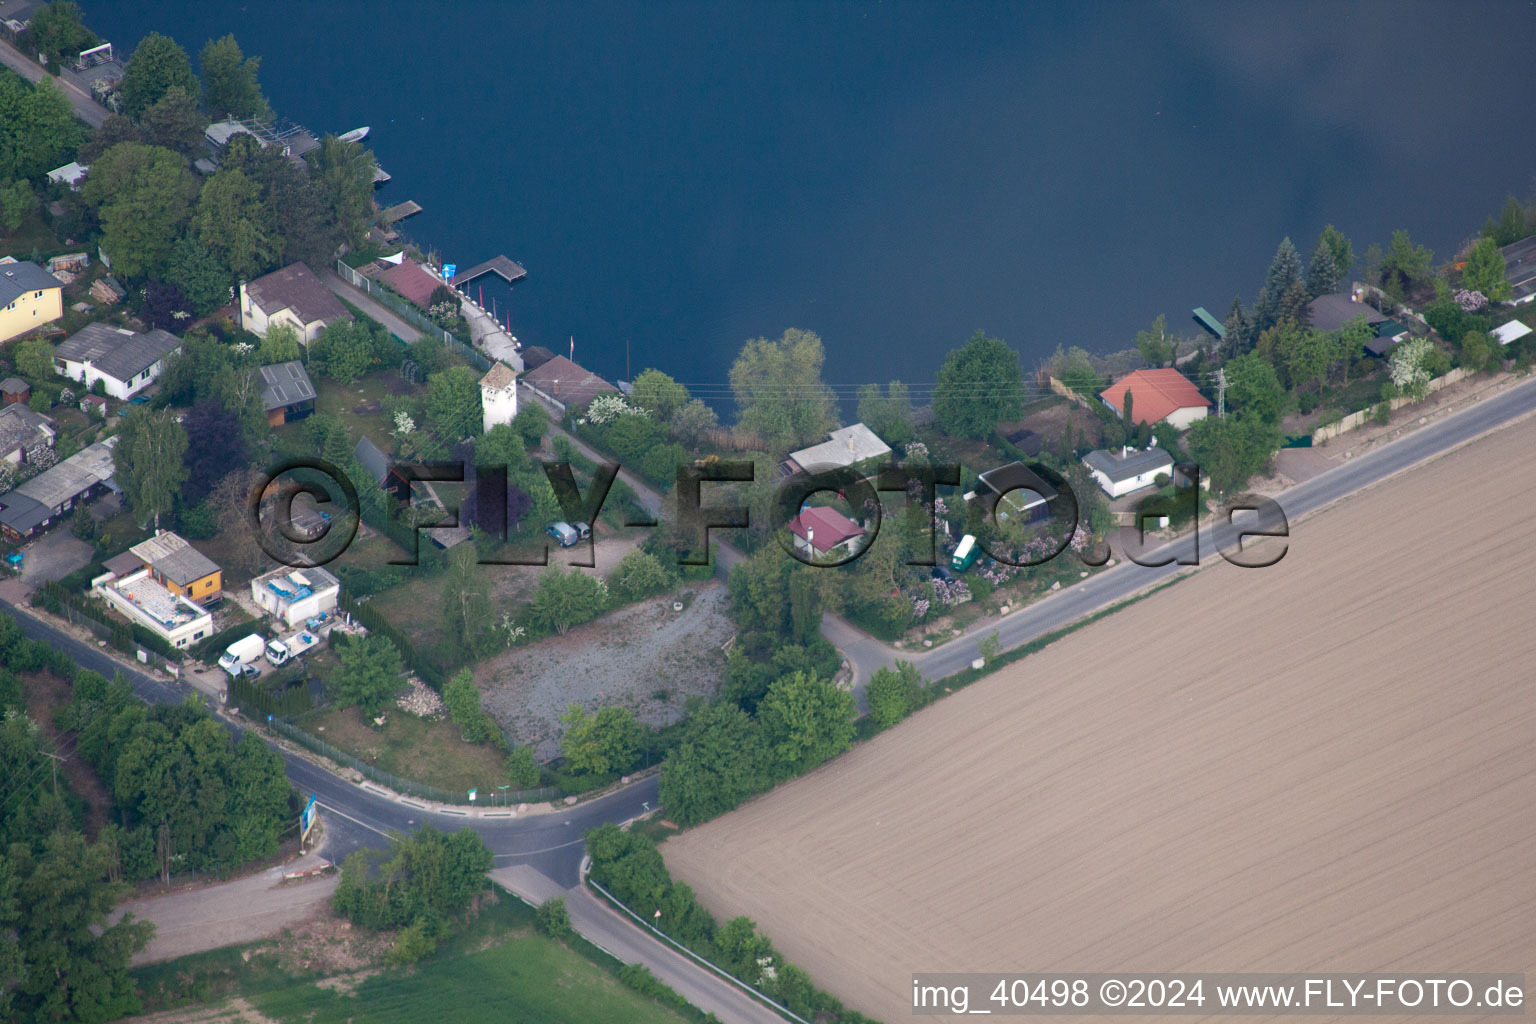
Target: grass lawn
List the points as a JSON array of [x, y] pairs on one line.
[[528, 979], [498, 970], [427, 752]]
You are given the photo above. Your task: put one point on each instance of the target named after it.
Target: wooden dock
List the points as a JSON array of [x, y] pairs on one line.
[[502, 267], [399, 211]]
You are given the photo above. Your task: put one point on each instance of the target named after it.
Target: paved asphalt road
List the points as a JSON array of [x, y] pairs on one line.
[[89, 111]]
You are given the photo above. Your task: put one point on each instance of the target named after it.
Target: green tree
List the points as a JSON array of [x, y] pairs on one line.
[[1074, 368], [1253, 388], [1350, 341], [148, 461], [889, 414], [57, 30], [281, 345], [158, 64], [467, 607], [38, 127], [294, 203], [369, 675], [893, 693], [1155, 345], [205, 281], [720, 761], [658, 394], [1343, 252], [640, 574], [231, 225], [462, 698], [259, 795], [805, 721], [779, 391], [1478, 351], [54, 911], [602, 744], [143, 196], [1511, 225], [1403, 265], [346, 350], [692, 423], [1485, 271], [1323, 273], [553, 919], [175, 122], [979, 386], [1284, 271], [17, 203], [343, 173], [453, 403], [564, 599], [531, 423], [34, 360], [522, 768], [1308, 356], [232, 90], [1231, 449]]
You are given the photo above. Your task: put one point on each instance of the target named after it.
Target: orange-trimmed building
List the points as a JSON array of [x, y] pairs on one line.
[[1158, 395]]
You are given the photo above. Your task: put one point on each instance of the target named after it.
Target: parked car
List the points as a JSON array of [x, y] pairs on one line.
[[942, 573], [564, 533], [583, 531]]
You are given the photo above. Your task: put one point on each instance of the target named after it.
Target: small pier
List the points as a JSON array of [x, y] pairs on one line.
[[399, 211], [508, 270]]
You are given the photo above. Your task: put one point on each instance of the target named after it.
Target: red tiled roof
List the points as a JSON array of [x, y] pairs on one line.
[[831, 526], [1154, 394], [412, 280]]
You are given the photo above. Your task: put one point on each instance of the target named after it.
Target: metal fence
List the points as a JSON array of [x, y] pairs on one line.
[[409, 312], [103, 631], [492, 797]]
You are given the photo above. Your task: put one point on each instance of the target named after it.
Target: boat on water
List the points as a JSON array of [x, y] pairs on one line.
[[355, 135]]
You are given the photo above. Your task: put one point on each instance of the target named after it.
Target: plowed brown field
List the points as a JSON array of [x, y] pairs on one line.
[[1330, 763]]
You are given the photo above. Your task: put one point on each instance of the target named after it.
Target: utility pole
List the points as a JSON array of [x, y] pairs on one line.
[[56, 760], [1221, 393]]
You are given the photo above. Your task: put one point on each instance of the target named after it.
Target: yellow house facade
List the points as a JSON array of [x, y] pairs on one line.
[[29, 297]]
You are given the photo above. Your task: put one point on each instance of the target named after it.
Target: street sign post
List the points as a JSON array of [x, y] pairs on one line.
[[472, 796], [307, 820], [450, 269]]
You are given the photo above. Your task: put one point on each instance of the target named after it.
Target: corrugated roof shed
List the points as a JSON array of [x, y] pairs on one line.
[[844, 446], [285, 384]]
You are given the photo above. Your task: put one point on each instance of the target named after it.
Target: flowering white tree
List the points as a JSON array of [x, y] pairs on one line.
[[1409, 374], [607, 407]]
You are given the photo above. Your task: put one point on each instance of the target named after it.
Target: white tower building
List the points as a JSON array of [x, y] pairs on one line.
[[498, 395]]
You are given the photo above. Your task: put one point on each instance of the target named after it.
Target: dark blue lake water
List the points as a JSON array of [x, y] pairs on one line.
[[894, 176]]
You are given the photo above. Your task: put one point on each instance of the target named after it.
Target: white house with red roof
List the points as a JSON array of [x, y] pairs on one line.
[[821, 532], [1158, 395]]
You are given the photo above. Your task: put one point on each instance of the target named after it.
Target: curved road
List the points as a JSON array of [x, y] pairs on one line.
[[544, 851]]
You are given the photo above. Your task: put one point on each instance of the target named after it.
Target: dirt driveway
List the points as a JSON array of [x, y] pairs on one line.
[[646, 657]]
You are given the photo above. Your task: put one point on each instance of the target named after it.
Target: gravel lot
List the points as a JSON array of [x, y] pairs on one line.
[[627, 657]]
